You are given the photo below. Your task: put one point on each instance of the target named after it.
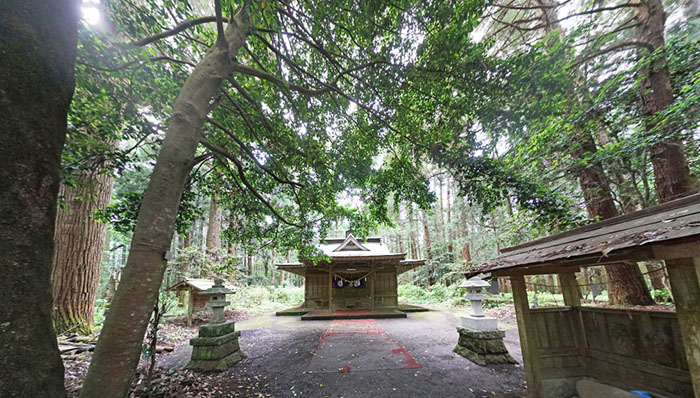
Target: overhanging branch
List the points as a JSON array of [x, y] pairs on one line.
[[241, 174]]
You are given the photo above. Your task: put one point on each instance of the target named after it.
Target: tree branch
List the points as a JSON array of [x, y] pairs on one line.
[[244, 180], [138, 63], [330, 86], [251, 155], [175, 30], [616, 47], [220, 37]]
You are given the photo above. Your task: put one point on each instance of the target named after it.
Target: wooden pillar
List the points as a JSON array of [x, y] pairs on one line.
[[371, 287], [190, 306], [528, 342], [684, 274], [569, 289], [330, 289], [572, 298]]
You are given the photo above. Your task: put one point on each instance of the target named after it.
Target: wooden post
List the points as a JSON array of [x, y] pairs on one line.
[[330, 289], [190, 306], [528, 344], [371, 287], [572, 298], [684, 274], [569, 288]]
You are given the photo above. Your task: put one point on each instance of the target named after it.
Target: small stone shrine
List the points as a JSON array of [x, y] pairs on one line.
[[480, 341], [216, 347]]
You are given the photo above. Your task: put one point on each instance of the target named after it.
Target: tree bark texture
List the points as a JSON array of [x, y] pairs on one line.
[[626, 282], [671, 171], [37, 55], [119, 346], [214, 229], [79, 245]]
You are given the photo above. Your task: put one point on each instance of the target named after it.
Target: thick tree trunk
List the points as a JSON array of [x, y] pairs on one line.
[[37, 54], [656, 275], [626, 283], [119, 346], [80, 243], [671, 171], [214, 229]]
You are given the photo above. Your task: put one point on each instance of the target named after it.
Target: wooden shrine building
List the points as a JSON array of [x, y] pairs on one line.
[[359, 280], [195, 301], [630, 348]]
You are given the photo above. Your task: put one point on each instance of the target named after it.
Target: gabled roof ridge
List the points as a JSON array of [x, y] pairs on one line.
[[351, 239]]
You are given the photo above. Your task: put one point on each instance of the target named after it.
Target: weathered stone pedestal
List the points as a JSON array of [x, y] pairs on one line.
[[483, 347], [216, 348]]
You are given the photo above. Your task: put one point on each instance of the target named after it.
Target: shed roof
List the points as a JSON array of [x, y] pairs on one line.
[[630, 237], [197, 284]]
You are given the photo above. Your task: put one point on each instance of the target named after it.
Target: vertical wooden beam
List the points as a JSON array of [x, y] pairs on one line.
[[371, 287], [528, 344], [330, 289], [569, 288], [572, 298], [684, 274], [190, 306]]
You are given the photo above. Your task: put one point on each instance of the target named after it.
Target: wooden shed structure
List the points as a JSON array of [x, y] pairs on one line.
[[358, 281], [195, 301], [635, 349]]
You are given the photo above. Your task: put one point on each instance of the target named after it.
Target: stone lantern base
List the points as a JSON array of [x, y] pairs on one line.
[[216, 348], [483, 347]]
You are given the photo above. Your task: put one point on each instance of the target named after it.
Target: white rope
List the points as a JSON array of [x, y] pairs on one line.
[[349, 281]]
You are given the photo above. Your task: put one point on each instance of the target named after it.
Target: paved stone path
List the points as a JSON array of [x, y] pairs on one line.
[[359, 345], [399, 358]]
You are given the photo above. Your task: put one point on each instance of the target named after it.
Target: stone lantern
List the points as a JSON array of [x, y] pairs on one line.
[[479, 338], [217, 300], [216, 346], [476, 295]]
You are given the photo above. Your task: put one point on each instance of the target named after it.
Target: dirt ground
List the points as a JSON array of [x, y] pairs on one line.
[[409, 357]]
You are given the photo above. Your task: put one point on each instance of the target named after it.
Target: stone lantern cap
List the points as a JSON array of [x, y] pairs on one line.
[[218, 288], [474, 282]]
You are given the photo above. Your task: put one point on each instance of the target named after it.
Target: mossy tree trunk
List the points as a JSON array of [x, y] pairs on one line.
[[79, 242], [37, 55]]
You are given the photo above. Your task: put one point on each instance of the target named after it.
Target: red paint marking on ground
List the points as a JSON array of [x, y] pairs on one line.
[[365, 327], [345, 369], [410, 362]]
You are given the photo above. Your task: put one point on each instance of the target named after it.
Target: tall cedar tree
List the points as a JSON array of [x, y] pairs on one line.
[[37, 56]]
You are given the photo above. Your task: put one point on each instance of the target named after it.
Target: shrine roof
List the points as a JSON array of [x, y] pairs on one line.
[[636, 236]]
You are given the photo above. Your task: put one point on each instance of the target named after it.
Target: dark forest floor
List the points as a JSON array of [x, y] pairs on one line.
[[287, 357]]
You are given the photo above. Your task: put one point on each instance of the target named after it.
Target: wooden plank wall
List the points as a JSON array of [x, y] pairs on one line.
[[385, 294], [644, 349], [350, 297], [557, 347], [316, 290], [628, 348]]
